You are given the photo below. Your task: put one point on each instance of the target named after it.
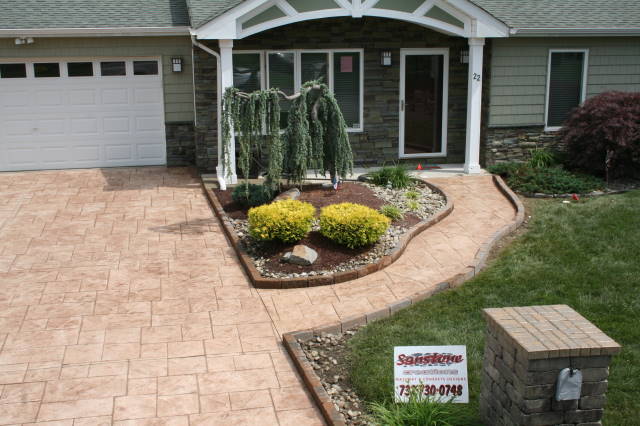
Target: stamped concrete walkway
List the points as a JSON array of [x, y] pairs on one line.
[[122, 303]]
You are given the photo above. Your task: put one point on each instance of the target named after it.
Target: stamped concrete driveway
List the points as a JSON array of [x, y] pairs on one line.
[[122, 303]]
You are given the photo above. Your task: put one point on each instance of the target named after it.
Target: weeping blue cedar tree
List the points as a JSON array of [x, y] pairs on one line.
[[315, 138]]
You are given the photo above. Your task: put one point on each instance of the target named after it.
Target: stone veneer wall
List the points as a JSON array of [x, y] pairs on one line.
[[378, 143], [525, 349], [180, 143], [513, 143], [206, 127]]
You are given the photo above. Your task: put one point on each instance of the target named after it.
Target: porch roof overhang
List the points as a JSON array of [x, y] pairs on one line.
[[454, 17]]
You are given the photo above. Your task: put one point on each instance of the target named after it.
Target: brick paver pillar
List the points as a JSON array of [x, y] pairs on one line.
[[525, 350]]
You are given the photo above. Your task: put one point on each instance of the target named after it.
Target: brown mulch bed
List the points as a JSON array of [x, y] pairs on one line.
[[330, 254]]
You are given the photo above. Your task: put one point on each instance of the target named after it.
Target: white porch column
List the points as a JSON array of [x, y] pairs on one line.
[[474, 106], [226, 80]]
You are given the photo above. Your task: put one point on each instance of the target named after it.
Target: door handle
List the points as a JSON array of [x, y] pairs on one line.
[[402, 105]]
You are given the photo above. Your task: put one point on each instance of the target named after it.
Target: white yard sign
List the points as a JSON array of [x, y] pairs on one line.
[[437, 372]]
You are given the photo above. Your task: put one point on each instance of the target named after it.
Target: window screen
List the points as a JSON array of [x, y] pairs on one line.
[[346, 85], [246, 72], [13, 71], [80, 69], [281, 69], [145, 67], [314, 67], [565, 85], [47, 69], [113, 68]]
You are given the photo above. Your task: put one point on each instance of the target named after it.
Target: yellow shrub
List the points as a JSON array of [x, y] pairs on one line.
[[352, 225], [288, 221]]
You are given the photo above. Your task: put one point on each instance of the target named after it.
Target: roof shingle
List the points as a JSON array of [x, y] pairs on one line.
[[565, 14], [203, 11], [538, 14], [36, 14]]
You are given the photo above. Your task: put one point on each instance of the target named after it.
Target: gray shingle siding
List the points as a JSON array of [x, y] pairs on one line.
[[519, 73]]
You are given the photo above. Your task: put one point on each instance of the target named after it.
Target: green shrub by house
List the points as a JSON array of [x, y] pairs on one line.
[[287, 221], [546, 180], [417, 410], [392, 212], [352, 225], [412, 195], [540, 158], [397, 176], [251, 195], [603, 135]]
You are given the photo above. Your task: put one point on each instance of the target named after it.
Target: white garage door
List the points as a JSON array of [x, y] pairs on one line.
[[79, 113]]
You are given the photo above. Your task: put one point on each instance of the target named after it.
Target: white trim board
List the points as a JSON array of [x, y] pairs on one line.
[[445, 100], [585, 73]]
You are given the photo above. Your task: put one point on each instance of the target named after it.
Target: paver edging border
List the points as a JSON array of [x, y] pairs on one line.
[[259, 281], [291, 340]]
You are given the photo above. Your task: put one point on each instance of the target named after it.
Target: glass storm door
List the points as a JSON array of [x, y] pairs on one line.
[[423, 102]]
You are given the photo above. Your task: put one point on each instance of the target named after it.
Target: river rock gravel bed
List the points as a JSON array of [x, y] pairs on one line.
[[327, 355], [423, 204], [383, 247]]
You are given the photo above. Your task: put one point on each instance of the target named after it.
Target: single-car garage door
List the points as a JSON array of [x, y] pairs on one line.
[[79, 113]]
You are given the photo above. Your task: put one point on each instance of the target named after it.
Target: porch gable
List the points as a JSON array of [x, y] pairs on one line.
[[453, 17]]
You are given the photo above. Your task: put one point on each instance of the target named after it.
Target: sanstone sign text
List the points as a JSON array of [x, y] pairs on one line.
[[435, 372]]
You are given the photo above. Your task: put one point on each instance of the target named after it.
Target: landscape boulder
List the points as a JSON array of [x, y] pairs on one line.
[[290, 194], [301, 255]]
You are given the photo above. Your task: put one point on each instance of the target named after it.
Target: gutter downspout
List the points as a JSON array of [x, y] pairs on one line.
[[220, 172]]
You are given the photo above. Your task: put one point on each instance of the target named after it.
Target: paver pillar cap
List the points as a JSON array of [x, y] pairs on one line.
[[550, 331]]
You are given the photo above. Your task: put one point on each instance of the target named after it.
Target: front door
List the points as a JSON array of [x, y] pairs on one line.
[[423, 102]]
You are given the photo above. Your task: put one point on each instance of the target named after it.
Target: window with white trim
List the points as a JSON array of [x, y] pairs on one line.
[[287, 70], [13, 71], [566, 84]]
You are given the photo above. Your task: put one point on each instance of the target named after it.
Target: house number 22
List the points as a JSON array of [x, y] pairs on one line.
[[476, 76]]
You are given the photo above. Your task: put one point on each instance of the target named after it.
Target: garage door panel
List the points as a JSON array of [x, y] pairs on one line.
[[83, 153], [13, 100], [148, 124], [115, 96], [82, 97], [116, 125], [55, 155], [48, 98], [150, 151], [52, 127], [84, 126], [22, 156], [68, 122], [118, 153], [19, 127]]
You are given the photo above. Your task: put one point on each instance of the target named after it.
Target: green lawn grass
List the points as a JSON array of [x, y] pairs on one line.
[[585, 255]]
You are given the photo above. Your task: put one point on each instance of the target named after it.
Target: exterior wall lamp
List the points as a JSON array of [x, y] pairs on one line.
[[176, 64], [385, 58], [464, 56]]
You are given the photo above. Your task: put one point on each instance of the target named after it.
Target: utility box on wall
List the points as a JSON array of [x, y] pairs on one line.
[[538, 358]]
